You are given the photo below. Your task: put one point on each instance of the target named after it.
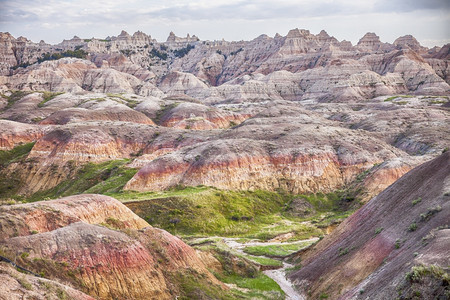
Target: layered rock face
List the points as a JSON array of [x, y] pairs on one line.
[[200, 117], [316, 155], [133, 261], [404, 226], [228, 114], [135, 63], [15, 133]]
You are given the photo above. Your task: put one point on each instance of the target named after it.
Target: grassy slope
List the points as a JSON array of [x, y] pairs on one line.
[[209, 211], [9, 186], [276, 250], [100, 178]]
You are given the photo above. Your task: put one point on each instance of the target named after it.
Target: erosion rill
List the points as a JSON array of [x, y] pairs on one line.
[[292, 167]]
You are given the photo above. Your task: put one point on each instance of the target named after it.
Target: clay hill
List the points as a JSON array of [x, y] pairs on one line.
[[394, 245], [96, 245]]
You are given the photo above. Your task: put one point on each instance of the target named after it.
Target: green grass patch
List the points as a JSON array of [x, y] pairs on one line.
[[10, 185], [164, 109], [47, 96], [415, 201], [390, 98], [99, 178], [192, 286], [264, 261], [260, 282], [14, 97], [337, 201], [277, 250], [15, 154], [209, 211], [129, 102], [421, 271], [398, 96]]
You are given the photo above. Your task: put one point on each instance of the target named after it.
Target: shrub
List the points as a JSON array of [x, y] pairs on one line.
[[414, 202], [79, 53], [412, 227], [183, 51], [418, 272], [343, 251], [378, 230], [159, 54]]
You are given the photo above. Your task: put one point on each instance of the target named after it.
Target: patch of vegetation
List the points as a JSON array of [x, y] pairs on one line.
[[14, 97], [79, 53], [128, 52], [15, 154], [390, 98], [418, 272], [209, 211], [240, 270], [9, 185], [261, 282], [398, 96], [183, 51], [22, 65], [415, 201], [192, 287], [343, 251], [61, 294], [337, 201], [425, 282], [277, 250], [412, 226], [47, 96], [265, 261], [24, 283], [202, 210], [379, 230], [102, 178], [164, 109], [159, 54], [430, 212], [129, 102], [237, 51]]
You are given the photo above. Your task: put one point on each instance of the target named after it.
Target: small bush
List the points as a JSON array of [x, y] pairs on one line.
[[24, 283], [159, 54], [183, 51], [378, 230], [414, 202], [343, 251], [418, 272], [412, 227]]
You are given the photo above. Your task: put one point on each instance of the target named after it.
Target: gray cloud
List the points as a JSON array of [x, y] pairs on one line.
[[411, 5], [54, 20], [253, 10]]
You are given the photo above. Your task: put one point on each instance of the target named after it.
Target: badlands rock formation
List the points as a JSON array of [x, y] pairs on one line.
[[302, 113], [97, 245], [405, 226], [312, 112]]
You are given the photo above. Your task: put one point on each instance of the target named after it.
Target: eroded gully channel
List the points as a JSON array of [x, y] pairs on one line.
[[278, 275]]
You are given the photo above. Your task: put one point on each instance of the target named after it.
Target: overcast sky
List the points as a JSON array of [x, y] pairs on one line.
[[53, 21]]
